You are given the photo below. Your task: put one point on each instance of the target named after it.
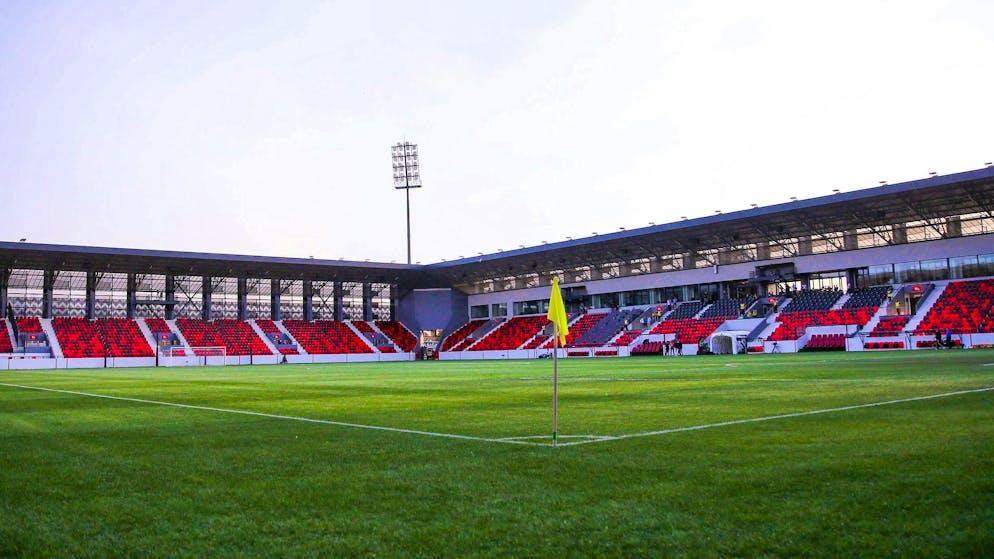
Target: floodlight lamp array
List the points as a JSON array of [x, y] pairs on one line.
[[406, 166]]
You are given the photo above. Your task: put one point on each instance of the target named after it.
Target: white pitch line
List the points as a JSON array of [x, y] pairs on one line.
[[507, 440], [597, 379], [772, 417], [277, 416], [549, 437]]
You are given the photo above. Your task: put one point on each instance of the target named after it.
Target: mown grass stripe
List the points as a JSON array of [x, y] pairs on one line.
[[274, 416], [779, 416], [523, 440]]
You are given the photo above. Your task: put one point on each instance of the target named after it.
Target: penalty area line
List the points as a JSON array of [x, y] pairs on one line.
[[773, 417], [278, 416]]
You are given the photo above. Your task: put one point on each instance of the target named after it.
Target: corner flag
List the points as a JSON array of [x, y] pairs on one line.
[[557, 315], [557, 312]]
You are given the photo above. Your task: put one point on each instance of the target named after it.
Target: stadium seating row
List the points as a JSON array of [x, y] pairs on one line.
[[728, 308], [964, 307], [576, 330], [398, 334], [459, 336], [269, 327], [78, 337], [794, 324], [884, 345], [29, 325], [813, 300], [326, 337], [157, 325], [365, 329], [6, 346], [931, 343], [538, 341], [889, 326], [626, 338], [686, 310], [103, 337], [826, 342], [121, 337], [688, 330], [647, 348], [124, 339], [512, 334], [867, 297], [608, 327]]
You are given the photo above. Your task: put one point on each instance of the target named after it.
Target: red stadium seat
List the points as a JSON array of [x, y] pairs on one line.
[[398, 334], [578, 329], [269, 327], [5, 344], [326, 337], [689, 330], [512, 334], [235, 335], [455, 340], [964, 307]]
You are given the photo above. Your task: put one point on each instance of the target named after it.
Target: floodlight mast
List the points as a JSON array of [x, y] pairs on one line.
[[406, 175]]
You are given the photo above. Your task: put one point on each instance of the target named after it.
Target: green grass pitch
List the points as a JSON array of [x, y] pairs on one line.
[[89, 476]]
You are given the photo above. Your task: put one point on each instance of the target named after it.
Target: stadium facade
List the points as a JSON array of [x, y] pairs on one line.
[[748, 273]]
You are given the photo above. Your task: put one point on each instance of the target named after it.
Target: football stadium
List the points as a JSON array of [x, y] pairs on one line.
[[811, 376]]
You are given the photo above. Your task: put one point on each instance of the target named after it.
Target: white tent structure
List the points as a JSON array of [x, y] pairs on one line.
[[728, 342]]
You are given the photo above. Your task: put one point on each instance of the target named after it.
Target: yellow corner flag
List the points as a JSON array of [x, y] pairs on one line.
[[557, 312]]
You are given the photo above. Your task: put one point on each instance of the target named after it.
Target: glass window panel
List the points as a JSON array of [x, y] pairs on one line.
[[962, 267], [985, 265], [907, 271], [479, 311], [932, 270]]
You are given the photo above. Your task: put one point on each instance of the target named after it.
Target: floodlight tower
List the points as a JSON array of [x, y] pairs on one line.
[[406, 175]]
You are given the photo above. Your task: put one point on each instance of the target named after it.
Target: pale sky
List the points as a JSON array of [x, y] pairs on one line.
[[264, 128]]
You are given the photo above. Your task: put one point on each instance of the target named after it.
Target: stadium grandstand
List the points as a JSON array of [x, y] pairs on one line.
[[903, 266]]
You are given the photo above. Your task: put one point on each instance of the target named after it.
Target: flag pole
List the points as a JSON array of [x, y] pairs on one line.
[[557, 316], [555, 386]]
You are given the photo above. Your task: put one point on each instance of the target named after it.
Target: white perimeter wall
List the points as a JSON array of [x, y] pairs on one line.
[[19, 361], [525, 353]]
